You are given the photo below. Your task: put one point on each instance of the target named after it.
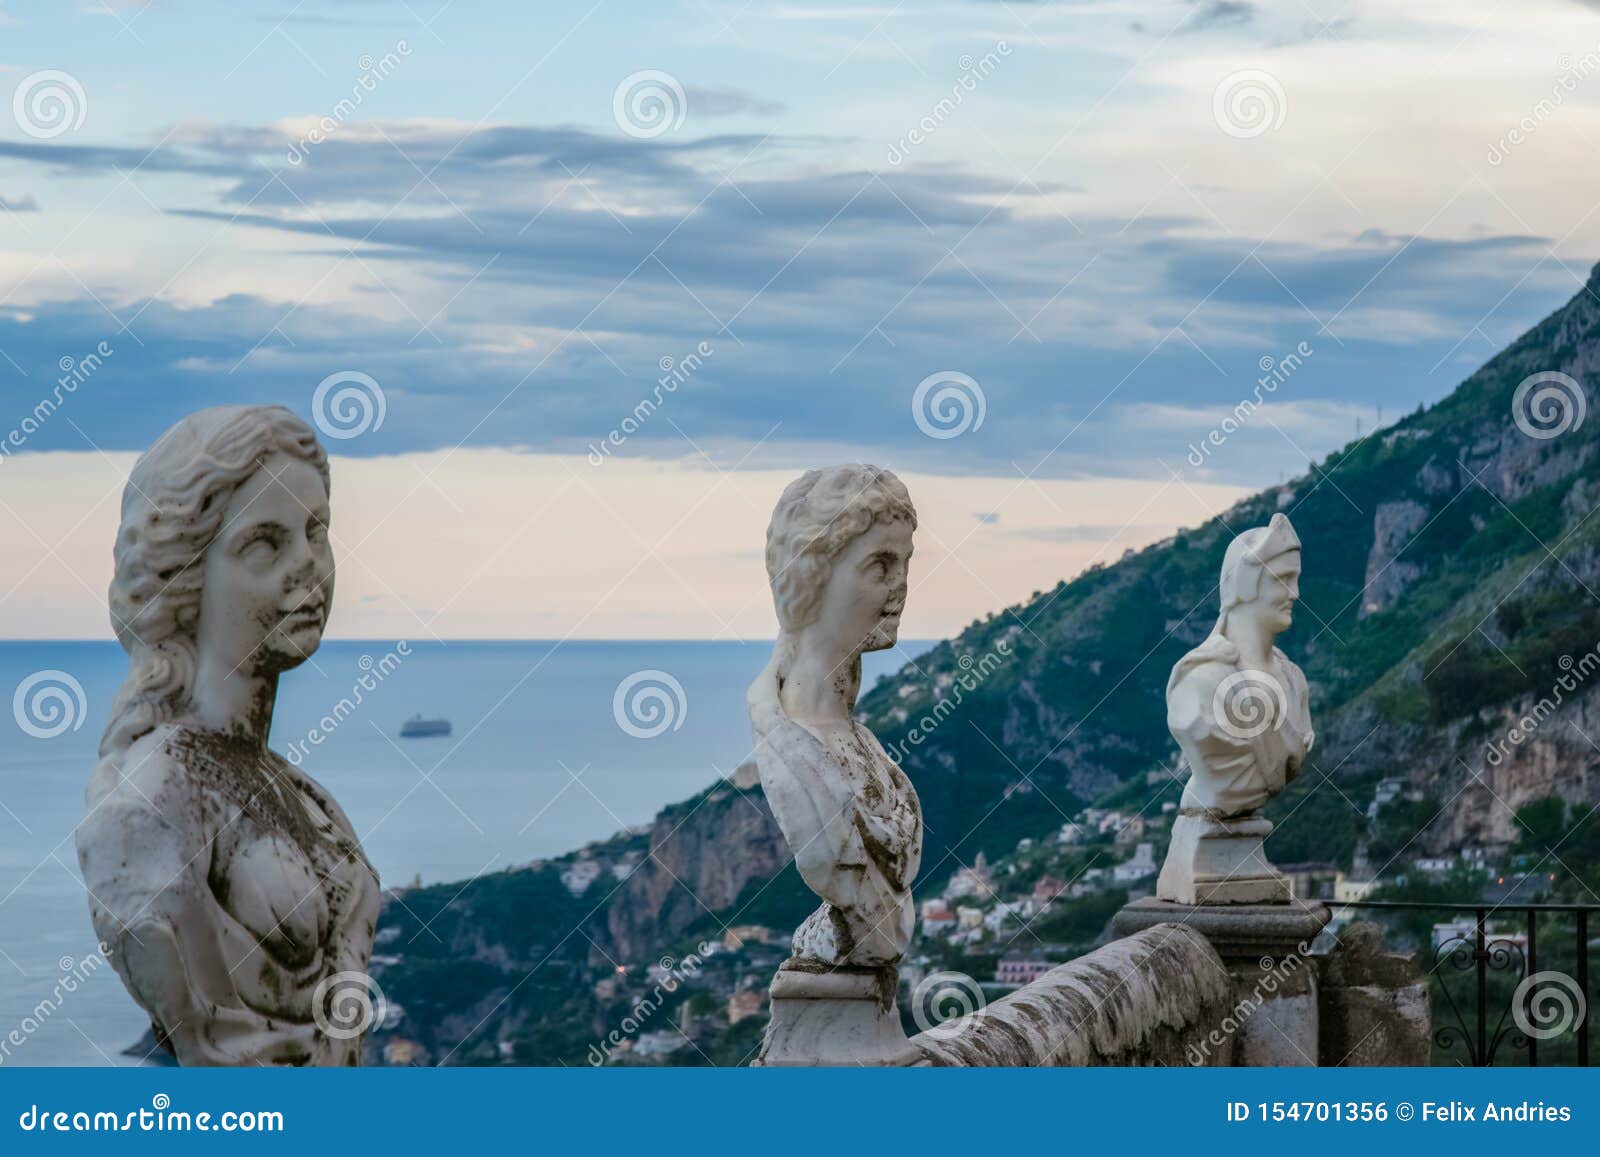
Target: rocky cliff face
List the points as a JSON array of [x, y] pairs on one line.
[[704, 859]]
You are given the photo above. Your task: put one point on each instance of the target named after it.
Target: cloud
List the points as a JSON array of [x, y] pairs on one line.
[[1221, 13], [520, 286], [727, 102], [19, 205]]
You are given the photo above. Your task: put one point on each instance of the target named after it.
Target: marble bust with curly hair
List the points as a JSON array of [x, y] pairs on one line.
[[838, 552], [230, 887]]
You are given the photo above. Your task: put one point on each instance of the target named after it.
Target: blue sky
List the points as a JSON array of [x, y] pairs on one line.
[[1107, 216]]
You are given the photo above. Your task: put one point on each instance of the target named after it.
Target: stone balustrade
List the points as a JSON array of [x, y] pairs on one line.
[[1148, 999]]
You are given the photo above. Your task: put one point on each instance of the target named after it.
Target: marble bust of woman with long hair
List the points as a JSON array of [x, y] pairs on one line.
[[231, 888], [838, 551]]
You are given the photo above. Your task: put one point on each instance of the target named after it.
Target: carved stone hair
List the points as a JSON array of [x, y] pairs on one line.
[[819, 514], [172, 509]]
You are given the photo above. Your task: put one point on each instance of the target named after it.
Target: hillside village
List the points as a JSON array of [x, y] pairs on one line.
[[1002, 922]]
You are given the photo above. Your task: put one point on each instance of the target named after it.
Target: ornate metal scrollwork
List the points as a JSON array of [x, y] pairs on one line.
[[1462, 954]]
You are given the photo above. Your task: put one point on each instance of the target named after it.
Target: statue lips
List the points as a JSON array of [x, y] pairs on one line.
[[304, 616]]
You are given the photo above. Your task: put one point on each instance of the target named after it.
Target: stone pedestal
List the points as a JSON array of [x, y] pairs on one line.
[[1266, 950], [1220, 861], [837, 1016]]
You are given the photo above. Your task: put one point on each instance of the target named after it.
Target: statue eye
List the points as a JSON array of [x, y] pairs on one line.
[[260, 548]]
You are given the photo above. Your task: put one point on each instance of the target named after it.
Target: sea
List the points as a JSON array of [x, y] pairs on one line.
[[551, 745]]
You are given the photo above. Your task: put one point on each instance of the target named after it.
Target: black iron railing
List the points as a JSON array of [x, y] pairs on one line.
[[1499, 956]]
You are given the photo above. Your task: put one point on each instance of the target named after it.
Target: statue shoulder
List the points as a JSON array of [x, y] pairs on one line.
[[1201, 671], [1296, 675], [143, 829], [146, 773]]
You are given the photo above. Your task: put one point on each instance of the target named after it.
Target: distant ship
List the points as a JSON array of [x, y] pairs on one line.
[[419, 728]]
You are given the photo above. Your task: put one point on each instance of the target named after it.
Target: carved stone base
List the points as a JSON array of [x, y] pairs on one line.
[[1220, 861], [1266, 949], [837, 1016]]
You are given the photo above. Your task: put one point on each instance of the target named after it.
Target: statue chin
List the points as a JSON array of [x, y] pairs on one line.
[[885, 635], [286, 648]]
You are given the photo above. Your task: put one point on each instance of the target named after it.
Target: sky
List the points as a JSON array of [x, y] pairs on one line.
[[573, 290]]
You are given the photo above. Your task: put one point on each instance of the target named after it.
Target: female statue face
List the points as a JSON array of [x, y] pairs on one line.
[[268, 574], [866, 591]]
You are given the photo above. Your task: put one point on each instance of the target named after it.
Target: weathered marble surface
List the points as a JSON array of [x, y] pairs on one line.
[[231, 889], [838, 552], [1239, 710], [1373, 1003], [1266, 948], [1148, 999]]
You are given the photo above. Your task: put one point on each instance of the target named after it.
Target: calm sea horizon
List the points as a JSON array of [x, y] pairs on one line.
[[537, 764]]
